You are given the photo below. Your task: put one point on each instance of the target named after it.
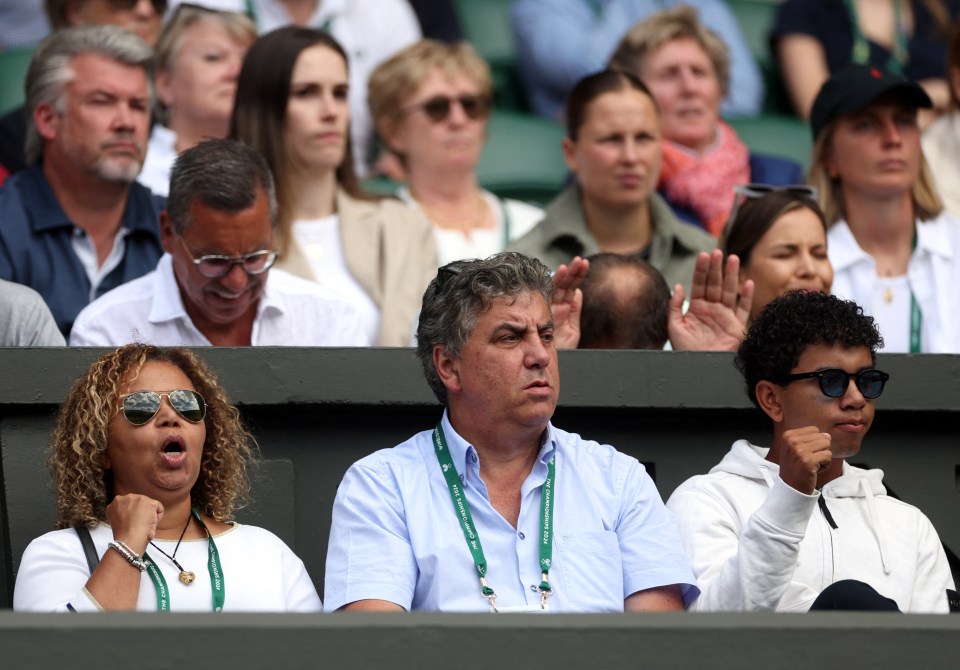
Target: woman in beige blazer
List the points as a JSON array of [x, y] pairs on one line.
[[292, 107]]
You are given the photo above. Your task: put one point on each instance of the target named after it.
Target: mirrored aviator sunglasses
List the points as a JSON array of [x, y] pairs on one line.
[[159, 6], [834, 381], [140, 407]]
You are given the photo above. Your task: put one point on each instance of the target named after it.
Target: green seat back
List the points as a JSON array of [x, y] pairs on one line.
[[523, 158], [776, 135], [13, 73], [756, 18], [486, 25]]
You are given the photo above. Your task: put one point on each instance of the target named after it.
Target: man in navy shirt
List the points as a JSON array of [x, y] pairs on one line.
[[75, 224]]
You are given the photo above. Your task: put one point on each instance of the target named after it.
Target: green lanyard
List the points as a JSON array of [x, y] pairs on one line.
[[916, 316], [216, 574], [899, 54], [462, 509]]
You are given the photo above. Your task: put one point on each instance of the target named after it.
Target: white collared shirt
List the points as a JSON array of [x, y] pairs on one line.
[[933, 275], [291, 312]]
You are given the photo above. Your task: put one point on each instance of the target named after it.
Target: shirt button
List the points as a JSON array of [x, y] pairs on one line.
[[522, 536], [473, 458]]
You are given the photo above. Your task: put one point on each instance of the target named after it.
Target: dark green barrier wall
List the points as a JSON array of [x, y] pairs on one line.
[[316, 411]]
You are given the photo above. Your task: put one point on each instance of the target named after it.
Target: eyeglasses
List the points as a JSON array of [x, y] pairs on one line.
[[755, 191], [438, 107], [834, 381], [160, 6], [214, 265], [140, 407], [448, 272]]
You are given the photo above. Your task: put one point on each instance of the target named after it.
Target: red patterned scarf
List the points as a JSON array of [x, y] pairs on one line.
[[705, 183]]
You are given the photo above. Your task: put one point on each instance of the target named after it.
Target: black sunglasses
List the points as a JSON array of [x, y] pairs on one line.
[[834, 381], [140, 407], [438, 107], [159, 5]]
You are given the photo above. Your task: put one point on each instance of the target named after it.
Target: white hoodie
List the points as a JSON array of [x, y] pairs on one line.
[[757, 544]]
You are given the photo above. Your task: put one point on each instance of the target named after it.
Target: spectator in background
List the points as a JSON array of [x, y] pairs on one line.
[[892, 247], [814, 40], [292, 107], [687, 68], [625, 304], [76, 224], [198, 60], [143, 17], [25, 319], [215, 286], [796, 527], [430, 103], [22, 23], [370, 31], [941, 141], [561, 41], [438, 20], [780, 237], [613, 147]]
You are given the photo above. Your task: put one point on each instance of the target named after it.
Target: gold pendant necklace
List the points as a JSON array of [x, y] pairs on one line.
[[888, 295], [186, 576]]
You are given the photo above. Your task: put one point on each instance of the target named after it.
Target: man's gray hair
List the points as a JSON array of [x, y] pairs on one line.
[[459, 293], [50, 71], [223, 174]]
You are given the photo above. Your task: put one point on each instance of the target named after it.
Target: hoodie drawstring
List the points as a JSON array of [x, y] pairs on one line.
[[872, 511]]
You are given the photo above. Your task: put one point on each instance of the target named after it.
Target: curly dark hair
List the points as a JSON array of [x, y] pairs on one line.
[[794, 321], [79, 440]]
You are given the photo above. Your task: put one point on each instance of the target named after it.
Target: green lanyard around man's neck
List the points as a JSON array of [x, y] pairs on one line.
[[462, 509]]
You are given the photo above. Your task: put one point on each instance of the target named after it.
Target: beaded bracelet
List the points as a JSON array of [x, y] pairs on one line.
[[131, 557]]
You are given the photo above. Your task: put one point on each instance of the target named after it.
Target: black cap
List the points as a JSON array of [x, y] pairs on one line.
[[856, 86]]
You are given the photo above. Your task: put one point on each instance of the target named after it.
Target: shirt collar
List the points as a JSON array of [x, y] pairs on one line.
[[933, 238], [49, 215], [464, 455]]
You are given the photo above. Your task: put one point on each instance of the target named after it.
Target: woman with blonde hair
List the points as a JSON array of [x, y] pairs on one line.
[[150, 462], [292, 107], [430, 104], [197, 60], [893, 249]]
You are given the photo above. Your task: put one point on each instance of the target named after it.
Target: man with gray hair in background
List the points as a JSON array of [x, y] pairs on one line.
[[495, 508], [214, 286], [75, 224]]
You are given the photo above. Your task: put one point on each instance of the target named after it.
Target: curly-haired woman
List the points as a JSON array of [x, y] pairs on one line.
[[150, 461]]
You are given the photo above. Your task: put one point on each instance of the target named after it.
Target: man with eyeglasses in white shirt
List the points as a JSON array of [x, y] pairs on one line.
[[214, 285]]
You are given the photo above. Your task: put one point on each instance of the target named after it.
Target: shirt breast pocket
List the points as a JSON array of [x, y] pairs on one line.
[[591, 571]]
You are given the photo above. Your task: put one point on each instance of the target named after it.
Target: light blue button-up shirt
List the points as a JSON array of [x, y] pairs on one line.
[[396, 537]]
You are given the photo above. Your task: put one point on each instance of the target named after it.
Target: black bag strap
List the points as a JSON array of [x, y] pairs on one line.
[[89, 550]]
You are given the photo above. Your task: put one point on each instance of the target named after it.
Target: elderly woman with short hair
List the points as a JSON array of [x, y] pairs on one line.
[[687, 68], [430, 103]]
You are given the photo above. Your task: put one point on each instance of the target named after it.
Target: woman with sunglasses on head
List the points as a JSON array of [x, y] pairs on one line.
[[613, 147], [893, 248], [150, 462], [687, 68], [292, 107], [780, 237], [430, 103], [197, 61]]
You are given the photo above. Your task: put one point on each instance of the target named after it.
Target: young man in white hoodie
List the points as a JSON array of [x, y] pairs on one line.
[[794, 526]]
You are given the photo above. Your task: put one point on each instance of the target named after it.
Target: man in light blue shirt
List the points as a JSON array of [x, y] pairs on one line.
[[495, 508], [561, 41]]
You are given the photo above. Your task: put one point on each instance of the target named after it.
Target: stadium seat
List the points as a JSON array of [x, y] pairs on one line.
[[776, 135], [13, 73], [523, 158], [486, 25], [756, 18]]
